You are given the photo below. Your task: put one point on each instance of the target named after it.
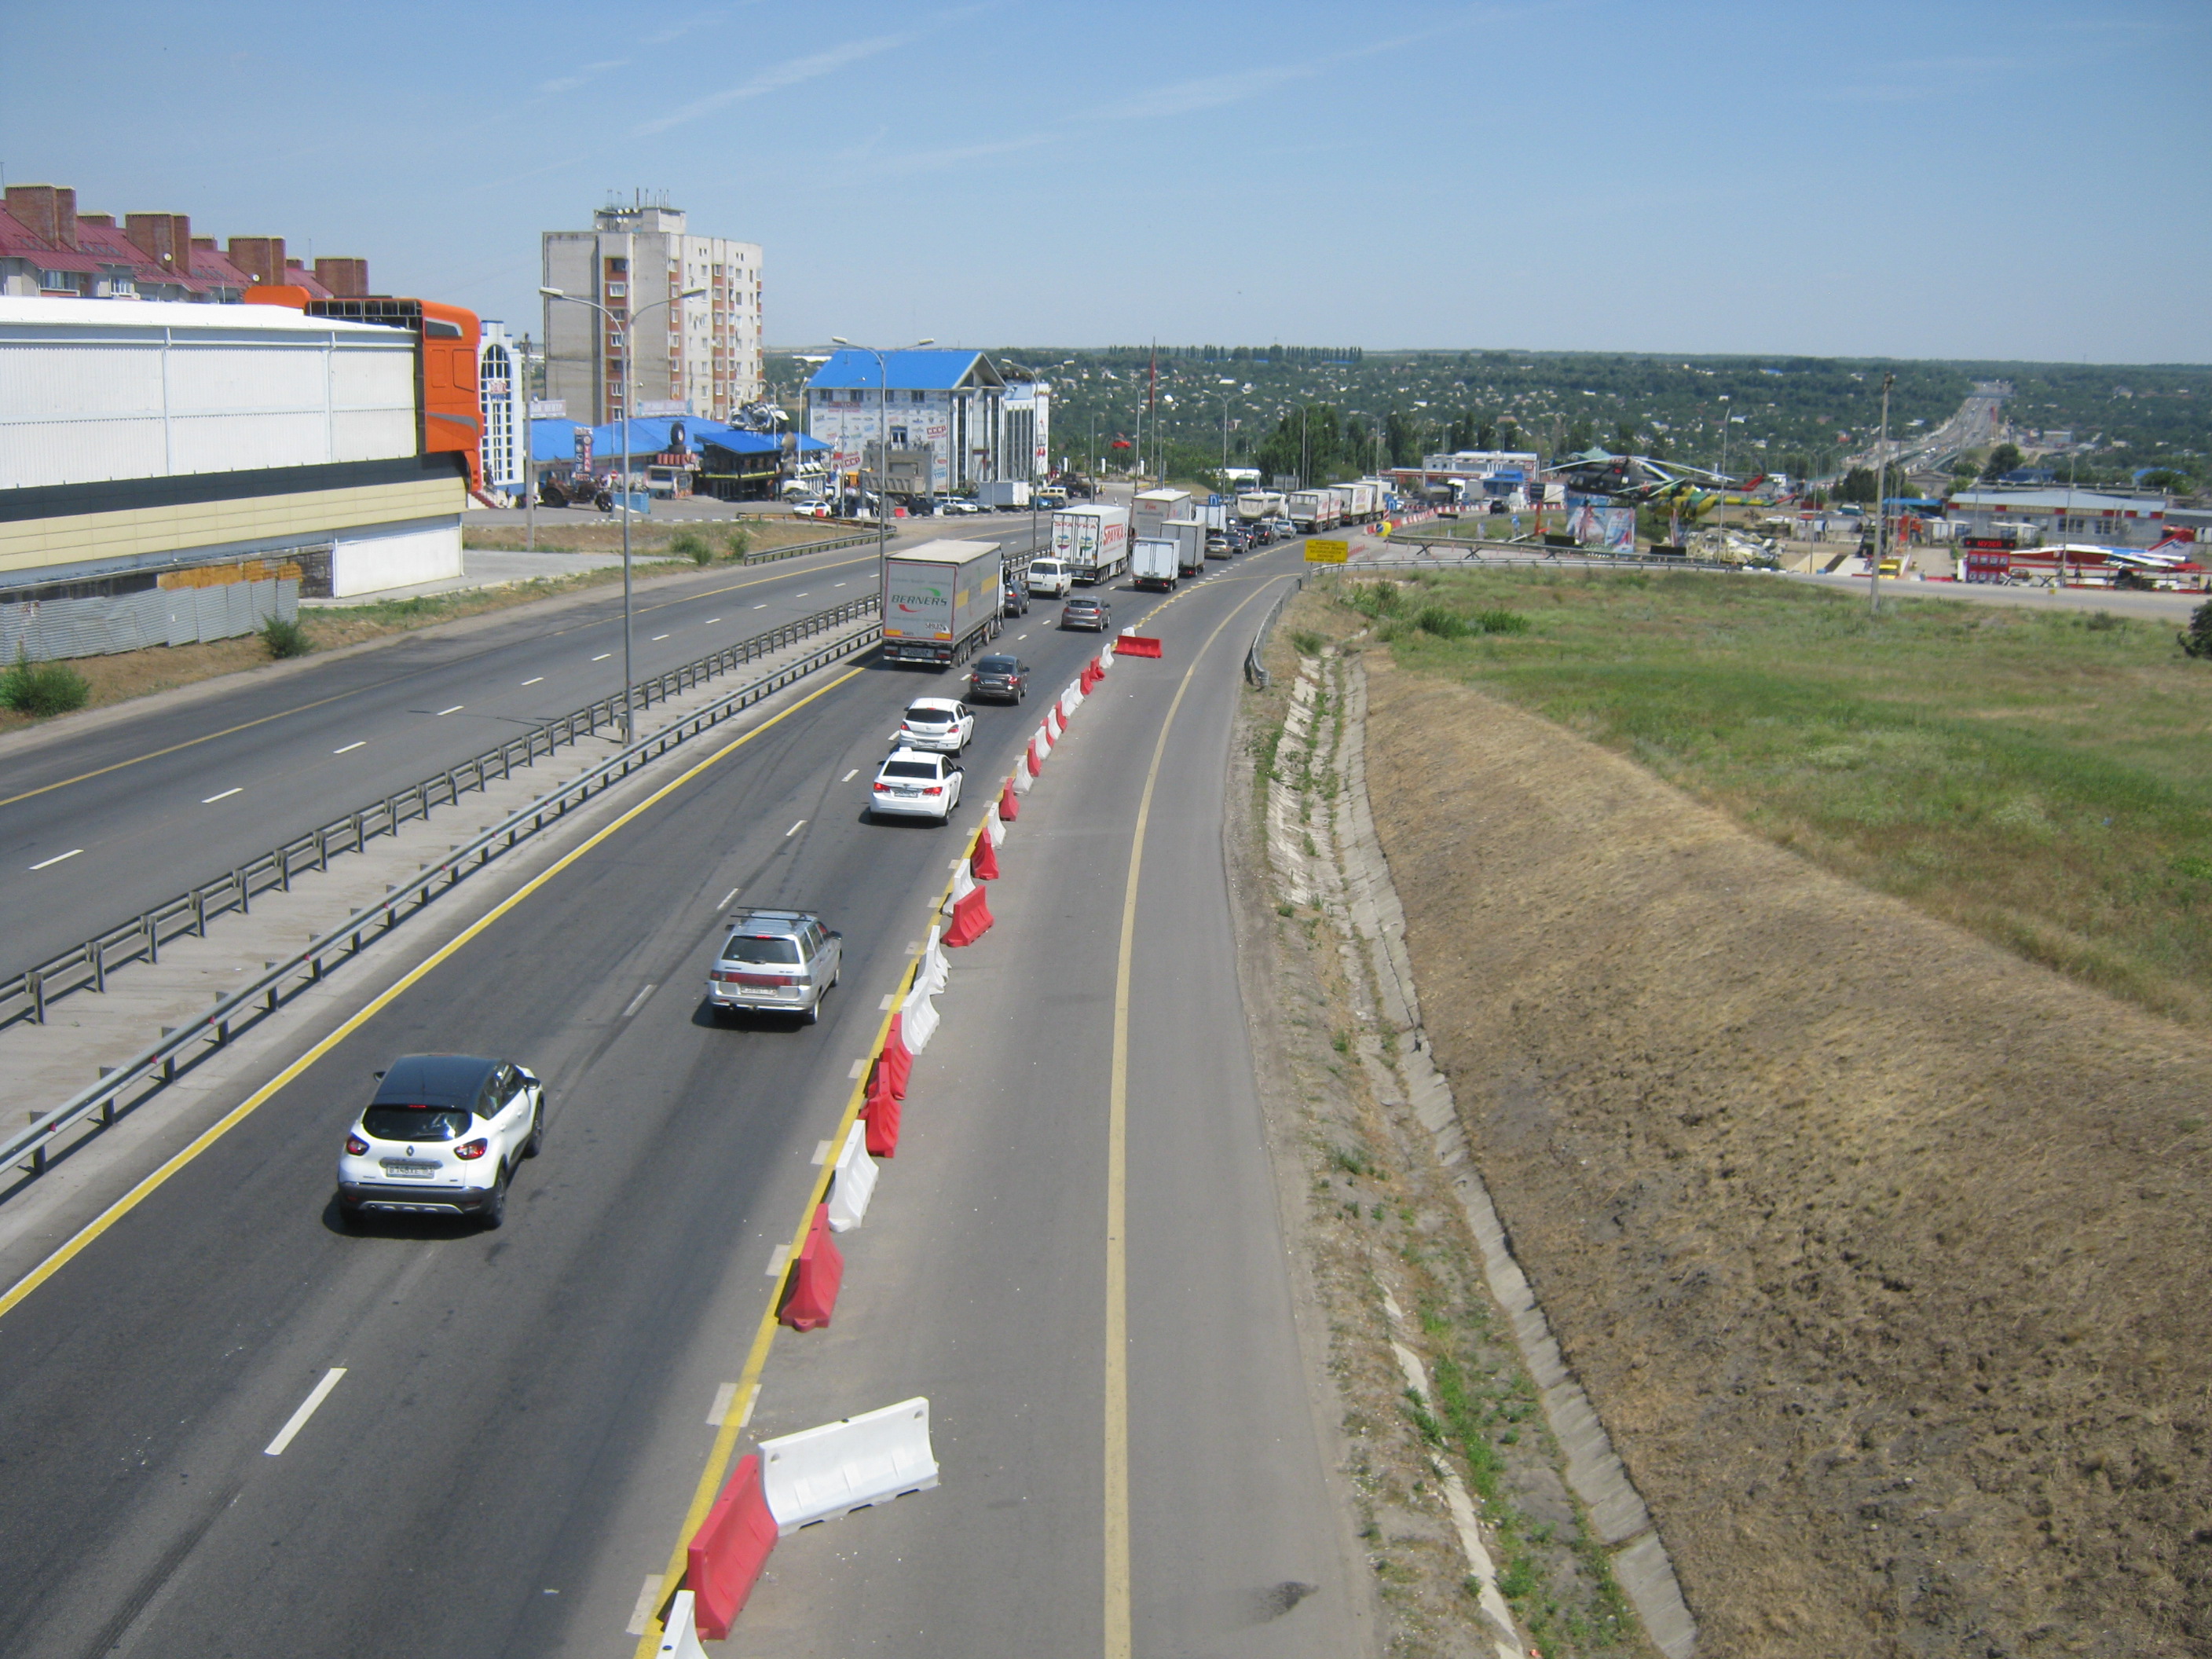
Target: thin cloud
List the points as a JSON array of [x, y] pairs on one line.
[[791, 72], [929, 160], [1209, 92]]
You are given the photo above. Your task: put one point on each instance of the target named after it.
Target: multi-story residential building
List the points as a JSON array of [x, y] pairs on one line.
[[48, 247], [698, 357]]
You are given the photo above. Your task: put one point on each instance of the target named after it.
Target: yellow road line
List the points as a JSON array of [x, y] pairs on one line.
[[237, 1114], [1117, 1194], [287, 713]]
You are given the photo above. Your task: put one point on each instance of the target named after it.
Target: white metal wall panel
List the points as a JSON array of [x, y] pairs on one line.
[[371, 564], [93, 390]]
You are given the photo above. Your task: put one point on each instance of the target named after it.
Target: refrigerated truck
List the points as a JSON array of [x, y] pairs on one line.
[[1093, 542], [1256, 504], [1154, 508], [1153, 565], [1361, 502], [1189, 538], [1315, 509], [941, 601]]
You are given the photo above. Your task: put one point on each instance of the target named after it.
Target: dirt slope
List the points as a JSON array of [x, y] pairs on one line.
[[1881, 1253]]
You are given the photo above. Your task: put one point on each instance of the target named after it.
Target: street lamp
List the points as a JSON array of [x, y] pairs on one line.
[[882, 436], [629, 403]]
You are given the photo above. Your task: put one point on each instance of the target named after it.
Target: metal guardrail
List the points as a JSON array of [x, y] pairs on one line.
[[86, 966], [831, 545], [159, 1064], [1256, 670], [1514, 554]]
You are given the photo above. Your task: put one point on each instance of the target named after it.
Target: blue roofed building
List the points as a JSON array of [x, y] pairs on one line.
[[946, 413]]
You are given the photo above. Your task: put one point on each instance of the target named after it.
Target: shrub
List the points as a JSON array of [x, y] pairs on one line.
[[739, 540], [1501, 622], [1442, 620], [42, 688], [2197, 641], [285, 638], [691, 545], [1306, 643]]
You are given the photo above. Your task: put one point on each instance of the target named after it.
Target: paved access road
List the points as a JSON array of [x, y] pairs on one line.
[[125, 813], [520, 1421]]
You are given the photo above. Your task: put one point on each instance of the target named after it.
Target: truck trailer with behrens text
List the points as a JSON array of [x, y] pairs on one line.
[[941, 601]]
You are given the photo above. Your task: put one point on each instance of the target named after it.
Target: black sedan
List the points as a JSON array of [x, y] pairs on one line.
[[998, 679], [1085, 611]]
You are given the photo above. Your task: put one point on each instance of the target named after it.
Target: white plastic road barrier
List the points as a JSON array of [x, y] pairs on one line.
[[962, 885], [1022, 778], [820, 1473], [917, 1019], [936, 969], [679, 1638], [994, 826], [1053, 723], [1106, 657], [1069, 700], [855, 1183]]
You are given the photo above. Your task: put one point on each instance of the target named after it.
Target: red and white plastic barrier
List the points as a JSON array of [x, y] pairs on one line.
[[917, 1018], [1009, 803], [971, 911], [818, 1474], [1137, 645], [936, 969], [898, 1059], [724, 1559], [1053, 723], [983, 858], [881, 1113], [994, 827]]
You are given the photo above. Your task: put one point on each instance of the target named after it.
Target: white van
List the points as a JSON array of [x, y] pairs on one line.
[[1050, 576]]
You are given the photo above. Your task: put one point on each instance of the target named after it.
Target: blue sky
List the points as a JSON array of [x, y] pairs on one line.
[[1933, 179]]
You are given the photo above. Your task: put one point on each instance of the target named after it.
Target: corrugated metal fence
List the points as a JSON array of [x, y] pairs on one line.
[[100, 625]]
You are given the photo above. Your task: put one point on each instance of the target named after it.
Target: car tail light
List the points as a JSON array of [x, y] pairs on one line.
[[357, 1146], [882, 787], [934, 789], [470, 1151]]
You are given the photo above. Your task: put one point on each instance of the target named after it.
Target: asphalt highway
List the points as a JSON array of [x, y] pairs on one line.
[[115, 818], [493, 1437]]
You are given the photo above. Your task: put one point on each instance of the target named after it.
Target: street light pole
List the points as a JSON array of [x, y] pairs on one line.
[[882, 439], [629, 405], [1880, 506]]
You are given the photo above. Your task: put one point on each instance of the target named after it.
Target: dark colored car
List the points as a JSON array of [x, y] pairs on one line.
[[1000, 679], [1015, 599], [1085, 611]]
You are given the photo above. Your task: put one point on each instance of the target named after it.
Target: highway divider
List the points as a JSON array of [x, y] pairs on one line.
[[159, 1063], [86, 966], [815, 1474]]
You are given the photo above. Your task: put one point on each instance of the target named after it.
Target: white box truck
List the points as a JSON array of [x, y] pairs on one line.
[[1009, 493], [1189, 538], [941, 601], [1359, 502], [1314, 509], [1256, 504], [1153, 565], [1092, 542], [1154, 508]]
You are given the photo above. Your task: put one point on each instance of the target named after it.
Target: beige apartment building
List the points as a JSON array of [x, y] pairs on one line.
[[699, 356]]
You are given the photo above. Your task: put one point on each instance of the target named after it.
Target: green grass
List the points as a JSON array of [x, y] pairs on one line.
[[2043, 779], [40, 688]]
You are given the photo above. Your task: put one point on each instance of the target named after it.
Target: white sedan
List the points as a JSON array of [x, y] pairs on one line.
[[936, 723], [912, 784]]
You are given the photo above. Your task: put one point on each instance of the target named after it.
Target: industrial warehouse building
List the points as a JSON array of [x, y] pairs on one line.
[[953, 419], [172, 472]]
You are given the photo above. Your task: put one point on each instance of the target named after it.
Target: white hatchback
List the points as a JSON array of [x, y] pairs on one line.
[[443, 1135], [936, 723], [912, 784]]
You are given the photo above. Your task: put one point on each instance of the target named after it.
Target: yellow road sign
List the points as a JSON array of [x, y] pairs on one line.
[[1321, 551]]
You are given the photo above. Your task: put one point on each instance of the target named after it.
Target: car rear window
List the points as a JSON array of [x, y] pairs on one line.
[[994, 666], [414, 1122], [922, 714], [753, 947], [910, 769]]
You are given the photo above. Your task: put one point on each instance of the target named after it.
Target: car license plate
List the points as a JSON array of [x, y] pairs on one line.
[[410, 1171], [908, 794]]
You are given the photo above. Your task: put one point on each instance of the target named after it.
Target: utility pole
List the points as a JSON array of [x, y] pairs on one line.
[[1881, 489], [529, 458]]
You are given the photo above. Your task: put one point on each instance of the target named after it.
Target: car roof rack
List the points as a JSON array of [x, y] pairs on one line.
[[748, 913]]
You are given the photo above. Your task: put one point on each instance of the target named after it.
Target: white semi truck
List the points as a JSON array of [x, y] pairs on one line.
[[1093, 542], [941, 601], [1154, 508], [1313, 510]]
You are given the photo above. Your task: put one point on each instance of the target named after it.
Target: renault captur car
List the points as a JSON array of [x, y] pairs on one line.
[[443, 1135], [776, 962]]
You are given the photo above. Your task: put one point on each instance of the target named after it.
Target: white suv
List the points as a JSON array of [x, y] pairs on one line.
[[443, 1136]]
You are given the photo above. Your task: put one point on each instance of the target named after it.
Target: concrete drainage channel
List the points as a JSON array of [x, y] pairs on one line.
[[1325, 854], [29, 1053]]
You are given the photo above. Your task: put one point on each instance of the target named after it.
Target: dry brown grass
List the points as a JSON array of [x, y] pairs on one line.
[[1878, 1249]]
